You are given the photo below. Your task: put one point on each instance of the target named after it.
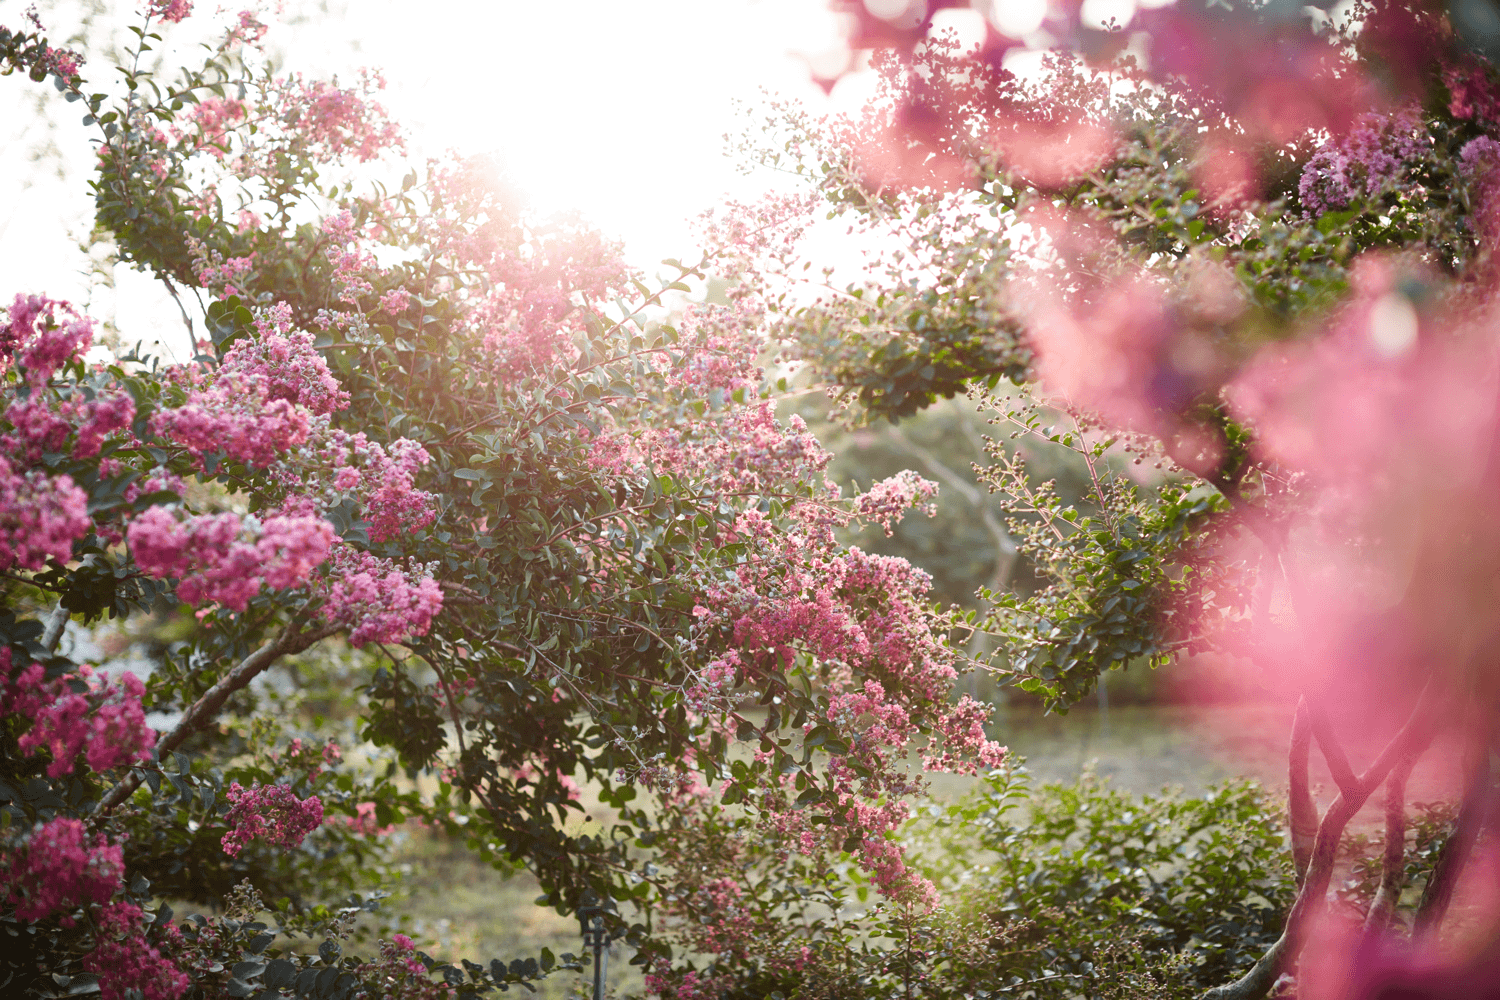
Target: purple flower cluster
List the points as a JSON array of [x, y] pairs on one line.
[[1375, 154]]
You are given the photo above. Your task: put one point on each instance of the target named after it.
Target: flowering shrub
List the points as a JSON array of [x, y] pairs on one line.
[[568, 544]]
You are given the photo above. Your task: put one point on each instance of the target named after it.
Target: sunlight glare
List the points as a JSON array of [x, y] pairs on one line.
[[965, 23], [1018, 18]]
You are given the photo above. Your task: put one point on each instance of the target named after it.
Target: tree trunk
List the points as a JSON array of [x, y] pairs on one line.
[[1402, 751]]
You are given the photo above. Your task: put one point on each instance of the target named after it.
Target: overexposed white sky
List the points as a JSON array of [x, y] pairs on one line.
[[615, 110]]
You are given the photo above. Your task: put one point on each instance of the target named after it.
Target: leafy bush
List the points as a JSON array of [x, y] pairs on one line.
[[1053, 891]]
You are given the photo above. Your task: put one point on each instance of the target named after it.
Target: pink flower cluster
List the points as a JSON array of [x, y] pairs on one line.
[[887, 501], [237, 415], [36, 427], [713, 684], [126, 964], [965, 745], [60, 868], [170, 11], [363, 822], [212, 270], [287, 363], [748, 451], [226, 559], [1472, 92], [270, 812], [248, 29], [40, 517], [718, 345], [1378, 151], [688, 986], [399, 975], [44, 334], [396, 301], [396, 505], [377, 599], [330, 122], [102, 417], [309, 758], [351, 261], [106, 723]]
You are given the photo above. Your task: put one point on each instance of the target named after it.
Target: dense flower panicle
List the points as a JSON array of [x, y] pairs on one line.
[[352, 262], [272, 813], [126, 964], [238, 416], [718, 348], [60, 868], [1479, 163], [287, 363], [886, 502], [529, 319], [396, 301], [749, 451], [333, 123], [102, 417], [1472, 92], [377, 599], [106, 722], [226, 559], [215, 119], [965, 744], [40, 517], [44, 334], [1376, 153], [36, 427], [395, 505]]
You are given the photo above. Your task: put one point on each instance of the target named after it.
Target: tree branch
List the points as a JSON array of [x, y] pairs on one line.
[[1406, 746], [203, 711], [1301, 809], [53, 630], [1333, 752], [1393, 859]]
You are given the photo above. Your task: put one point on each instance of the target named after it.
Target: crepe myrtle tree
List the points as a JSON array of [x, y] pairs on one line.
[[1251, 286], [579, 547]]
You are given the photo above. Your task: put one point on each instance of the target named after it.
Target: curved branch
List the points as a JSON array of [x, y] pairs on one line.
[[53, 630], [1333, 752], [1302, 811], [203, 711]]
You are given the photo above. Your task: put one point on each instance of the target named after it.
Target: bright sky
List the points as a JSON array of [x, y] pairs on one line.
[[615, 109]]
